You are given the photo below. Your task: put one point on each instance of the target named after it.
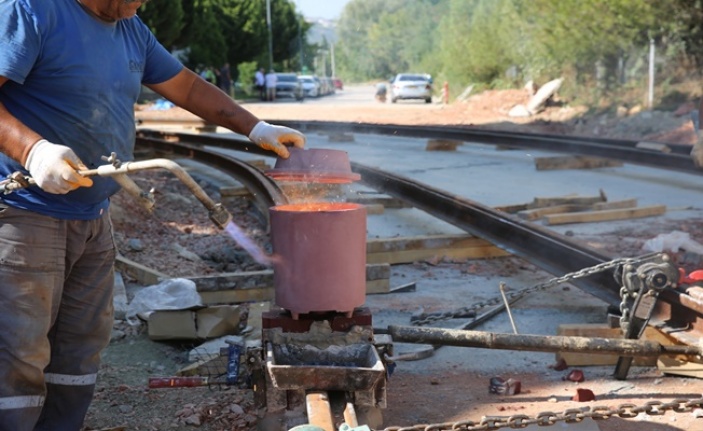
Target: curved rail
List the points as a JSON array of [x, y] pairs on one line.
[[619, 149]]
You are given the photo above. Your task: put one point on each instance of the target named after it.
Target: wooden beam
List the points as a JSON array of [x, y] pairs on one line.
[[412, 249], [537, 213], [442, 145], [574, 162], [567, 200], [144, 275], [605, 215], [250, 286]]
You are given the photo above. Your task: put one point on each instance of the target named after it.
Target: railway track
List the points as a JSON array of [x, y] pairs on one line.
[[548, 250]]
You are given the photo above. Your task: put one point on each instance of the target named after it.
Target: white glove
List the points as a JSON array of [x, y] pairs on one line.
[[54, 168], [276, 138]]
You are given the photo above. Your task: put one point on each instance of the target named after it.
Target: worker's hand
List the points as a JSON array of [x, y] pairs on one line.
[[54, 168], [276, 138]]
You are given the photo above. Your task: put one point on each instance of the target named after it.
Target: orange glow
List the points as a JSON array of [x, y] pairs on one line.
[[317, 207], [315, 177]]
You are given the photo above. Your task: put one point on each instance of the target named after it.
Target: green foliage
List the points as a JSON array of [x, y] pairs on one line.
[[599, 46], [212, 32], [165, 18], [379, 38]]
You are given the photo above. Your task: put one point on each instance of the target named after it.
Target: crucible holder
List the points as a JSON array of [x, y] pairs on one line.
[[354, 367]]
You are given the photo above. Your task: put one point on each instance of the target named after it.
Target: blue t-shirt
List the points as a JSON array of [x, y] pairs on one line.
[[74, 79]]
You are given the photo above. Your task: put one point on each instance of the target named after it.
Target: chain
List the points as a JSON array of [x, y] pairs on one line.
[[467, 311], [625, 411]]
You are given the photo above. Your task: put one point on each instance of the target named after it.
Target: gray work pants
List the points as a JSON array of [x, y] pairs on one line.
[[56, 315]]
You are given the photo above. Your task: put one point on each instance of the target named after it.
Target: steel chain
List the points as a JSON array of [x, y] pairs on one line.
[[548, 418], [582, 273]]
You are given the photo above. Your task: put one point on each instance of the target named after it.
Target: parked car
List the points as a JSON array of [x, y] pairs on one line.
[[411, 86], [311, 85], [288, 85], [338, 83]]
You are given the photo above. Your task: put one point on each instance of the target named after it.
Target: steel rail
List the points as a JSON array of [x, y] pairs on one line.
[[548, 250], [618, 149]]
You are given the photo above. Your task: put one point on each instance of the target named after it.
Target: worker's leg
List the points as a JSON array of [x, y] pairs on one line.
[[31, 278], [83, 325]]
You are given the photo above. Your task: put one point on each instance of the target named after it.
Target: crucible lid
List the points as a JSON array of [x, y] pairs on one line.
[[314, 166]]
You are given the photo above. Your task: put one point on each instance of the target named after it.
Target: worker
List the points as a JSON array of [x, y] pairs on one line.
[[70, 74], [697, 150]]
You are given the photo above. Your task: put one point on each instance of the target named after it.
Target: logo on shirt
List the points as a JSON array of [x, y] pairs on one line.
[[136, 66]]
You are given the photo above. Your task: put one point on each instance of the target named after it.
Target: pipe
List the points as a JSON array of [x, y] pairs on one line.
[[537, 343], [218, 214]]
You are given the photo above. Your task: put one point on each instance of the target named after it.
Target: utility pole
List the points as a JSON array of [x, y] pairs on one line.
[[652, 58], [268, 24]]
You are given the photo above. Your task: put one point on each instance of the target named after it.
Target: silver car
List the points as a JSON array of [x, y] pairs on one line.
[[411, 86]]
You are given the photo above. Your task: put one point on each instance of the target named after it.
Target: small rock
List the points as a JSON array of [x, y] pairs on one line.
[[500, 386], [135, 244], [560, 365], [584, 395], [236, 409], [575, 376]]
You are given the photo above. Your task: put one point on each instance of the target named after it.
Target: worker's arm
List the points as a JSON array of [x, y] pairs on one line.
[[53, 167], [191, 92], [16, 139]]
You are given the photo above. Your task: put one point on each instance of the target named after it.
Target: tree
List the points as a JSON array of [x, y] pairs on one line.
[[165, 18]]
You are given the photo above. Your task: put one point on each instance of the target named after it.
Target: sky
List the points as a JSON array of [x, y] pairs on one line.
[[329, 9]]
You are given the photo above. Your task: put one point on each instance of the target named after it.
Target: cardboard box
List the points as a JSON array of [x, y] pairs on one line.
[[195, 324]]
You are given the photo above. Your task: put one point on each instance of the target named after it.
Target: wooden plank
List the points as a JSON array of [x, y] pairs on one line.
[[237, 296], [412, 249], [612, 205], [598, 330], [539, 202], [537, 213], [250, 286], [574, 162], [654, 146], [442, 145], [144, 276], [511, 209], [263, 279], [605, 215]]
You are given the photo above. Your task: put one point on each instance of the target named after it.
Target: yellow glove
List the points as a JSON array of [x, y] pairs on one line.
[[54, 168], [276, 138]]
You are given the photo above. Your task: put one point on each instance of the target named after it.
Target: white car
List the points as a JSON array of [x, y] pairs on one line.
[[411, 86], [311, 86]]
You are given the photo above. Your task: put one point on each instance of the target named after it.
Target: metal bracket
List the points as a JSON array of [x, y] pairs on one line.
[[642, 284]]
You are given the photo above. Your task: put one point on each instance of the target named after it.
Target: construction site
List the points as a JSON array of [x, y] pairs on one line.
[[414, 267]]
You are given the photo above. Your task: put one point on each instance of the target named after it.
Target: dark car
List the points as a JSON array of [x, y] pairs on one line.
[[288, 85]]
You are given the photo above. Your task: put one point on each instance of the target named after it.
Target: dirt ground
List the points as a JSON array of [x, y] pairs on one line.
[[179, 240]]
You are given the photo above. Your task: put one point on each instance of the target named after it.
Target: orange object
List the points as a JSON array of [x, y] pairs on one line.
[[322, 257]]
